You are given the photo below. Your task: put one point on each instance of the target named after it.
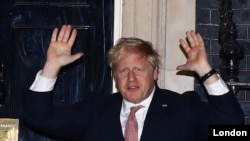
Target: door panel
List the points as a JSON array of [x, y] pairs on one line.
[[25, 35]]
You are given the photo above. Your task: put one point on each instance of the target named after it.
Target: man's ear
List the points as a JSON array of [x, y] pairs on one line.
[[156, 73]]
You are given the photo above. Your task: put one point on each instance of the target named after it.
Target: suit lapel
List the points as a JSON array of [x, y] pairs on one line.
[[113, 130], [160, 113]]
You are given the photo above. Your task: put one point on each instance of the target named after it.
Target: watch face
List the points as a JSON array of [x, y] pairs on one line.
[[9, 129]]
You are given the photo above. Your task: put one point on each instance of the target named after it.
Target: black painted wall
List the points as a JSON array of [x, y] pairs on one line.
[[207, 23]]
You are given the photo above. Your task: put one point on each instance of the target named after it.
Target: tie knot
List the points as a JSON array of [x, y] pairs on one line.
[[134, 109]]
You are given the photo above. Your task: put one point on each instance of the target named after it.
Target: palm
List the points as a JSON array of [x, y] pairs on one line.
[[195, 51], [195, 56], [59, 52]]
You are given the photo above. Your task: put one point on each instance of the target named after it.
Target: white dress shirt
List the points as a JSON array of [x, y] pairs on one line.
[[140, 114], [43, 84]]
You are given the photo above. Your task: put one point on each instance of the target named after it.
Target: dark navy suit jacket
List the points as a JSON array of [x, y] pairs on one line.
[[170, 117]]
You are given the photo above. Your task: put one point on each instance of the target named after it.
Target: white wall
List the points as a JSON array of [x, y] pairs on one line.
[[162, 22]]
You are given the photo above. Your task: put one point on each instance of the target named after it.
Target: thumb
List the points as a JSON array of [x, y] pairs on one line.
[[181, 67], [77, 56]]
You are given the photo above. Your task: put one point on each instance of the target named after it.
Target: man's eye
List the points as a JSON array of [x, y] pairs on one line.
[[137, 69], [124, 70]]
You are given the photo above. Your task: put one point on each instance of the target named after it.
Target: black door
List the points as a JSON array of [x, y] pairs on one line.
[[26, 28]]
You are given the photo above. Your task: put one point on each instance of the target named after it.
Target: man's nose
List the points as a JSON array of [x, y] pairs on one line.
[[131, 75]]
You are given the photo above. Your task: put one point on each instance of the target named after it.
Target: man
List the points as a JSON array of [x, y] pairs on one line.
[[164, 115]]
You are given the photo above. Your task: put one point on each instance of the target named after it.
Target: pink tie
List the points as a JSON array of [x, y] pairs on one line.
[[131, 131]]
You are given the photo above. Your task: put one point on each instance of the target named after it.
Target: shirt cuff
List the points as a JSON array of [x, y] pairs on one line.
[[42, 84], [217, 88]]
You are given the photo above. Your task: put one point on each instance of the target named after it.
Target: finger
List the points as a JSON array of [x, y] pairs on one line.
[[190, 38], [54, 35], [67, 33], [194, 38], [72, 37], [184, 45], [77, 56], [61, 33], [200, 39], [181, 67]]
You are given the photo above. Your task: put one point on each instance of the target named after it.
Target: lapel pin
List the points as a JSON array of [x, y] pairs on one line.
[[164, 105]]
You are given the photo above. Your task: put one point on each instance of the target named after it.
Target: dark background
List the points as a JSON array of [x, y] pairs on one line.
[[207, 23], [26, 27]]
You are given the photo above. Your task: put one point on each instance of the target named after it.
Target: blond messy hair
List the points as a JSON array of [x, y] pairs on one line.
[[135, 45]]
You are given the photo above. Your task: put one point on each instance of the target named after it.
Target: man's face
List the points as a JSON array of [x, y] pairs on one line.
[[135, 77]]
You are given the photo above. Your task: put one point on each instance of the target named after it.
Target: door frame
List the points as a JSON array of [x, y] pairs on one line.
[[117, 27]]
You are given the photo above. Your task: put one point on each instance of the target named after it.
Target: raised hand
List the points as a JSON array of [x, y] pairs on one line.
[[196, 55], [195, 52], [59, 51]]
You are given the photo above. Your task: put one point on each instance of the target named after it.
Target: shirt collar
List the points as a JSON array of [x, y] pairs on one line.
[[145, 103]]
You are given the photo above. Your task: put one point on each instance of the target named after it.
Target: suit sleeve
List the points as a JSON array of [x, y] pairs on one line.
[[69, 121], [223, 109]]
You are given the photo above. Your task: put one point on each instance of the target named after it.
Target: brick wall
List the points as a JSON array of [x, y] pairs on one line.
[[207, 23]]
